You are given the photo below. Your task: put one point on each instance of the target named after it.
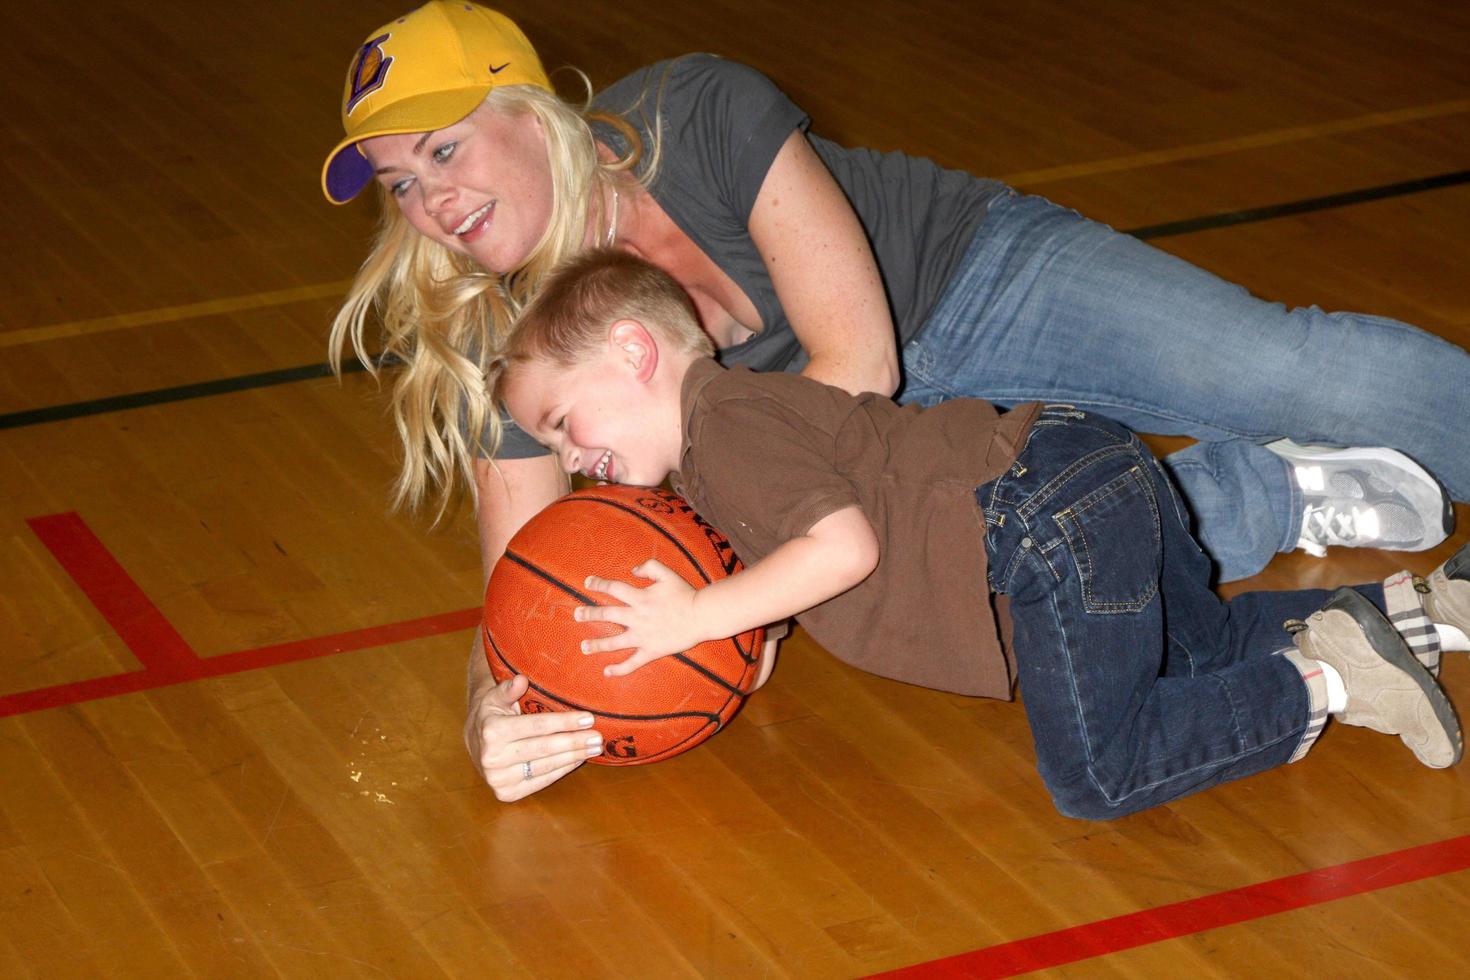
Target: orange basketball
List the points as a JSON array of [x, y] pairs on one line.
[[661, 709]]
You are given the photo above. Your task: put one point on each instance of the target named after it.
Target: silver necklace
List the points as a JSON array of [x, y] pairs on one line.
[[612, 228]]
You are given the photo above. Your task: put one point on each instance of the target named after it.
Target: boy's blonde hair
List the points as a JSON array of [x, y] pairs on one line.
[[568, 320]]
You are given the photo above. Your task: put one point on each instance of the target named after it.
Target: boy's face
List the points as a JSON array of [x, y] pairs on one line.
[[609, 418]]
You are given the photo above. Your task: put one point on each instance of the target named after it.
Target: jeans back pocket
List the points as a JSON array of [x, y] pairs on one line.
[[1113, 535]]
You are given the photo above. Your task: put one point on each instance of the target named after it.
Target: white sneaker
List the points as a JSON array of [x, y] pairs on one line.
[[1365, 498]]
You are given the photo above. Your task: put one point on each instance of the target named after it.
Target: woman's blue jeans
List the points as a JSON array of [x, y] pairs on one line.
[[1140, 684], [1052, 307]]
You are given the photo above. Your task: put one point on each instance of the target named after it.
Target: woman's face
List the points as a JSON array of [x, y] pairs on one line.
[[481, 187]]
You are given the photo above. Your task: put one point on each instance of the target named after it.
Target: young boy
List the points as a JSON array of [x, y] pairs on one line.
[[885, 529]]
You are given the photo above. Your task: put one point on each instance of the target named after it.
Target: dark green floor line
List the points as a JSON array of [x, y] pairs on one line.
[[265, 379]]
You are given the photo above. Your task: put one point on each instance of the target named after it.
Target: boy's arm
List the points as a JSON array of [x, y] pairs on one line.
[[669, 616], [775, 633]]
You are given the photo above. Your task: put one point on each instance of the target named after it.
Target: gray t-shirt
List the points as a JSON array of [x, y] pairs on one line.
[[720, 126]]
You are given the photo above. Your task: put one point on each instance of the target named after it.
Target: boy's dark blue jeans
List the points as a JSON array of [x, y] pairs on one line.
[[1140, 684]]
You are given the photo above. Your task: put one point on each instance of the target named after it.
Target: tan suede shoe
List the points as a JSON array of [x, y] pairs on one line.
[[1447, 598], [1388, 690]]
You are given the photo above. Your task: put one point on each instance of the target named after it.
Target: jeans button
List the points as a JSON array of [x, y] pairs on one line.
[[1025, 542]]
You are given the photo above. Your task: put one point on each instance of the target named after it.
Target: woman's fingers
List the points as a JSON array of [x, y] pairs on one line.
[[508, 736], [534, 761], [508, 692], [517, 786], [512, 737]]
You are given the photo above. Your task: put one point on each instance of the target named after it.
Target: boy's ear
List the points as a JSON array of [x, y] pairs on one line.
[[633, 345]]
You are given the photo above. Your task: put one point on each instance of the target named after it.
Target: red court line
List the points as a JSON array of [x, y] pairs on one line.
[[127, 609], [166, 656], [168, 659], [1200, 914]]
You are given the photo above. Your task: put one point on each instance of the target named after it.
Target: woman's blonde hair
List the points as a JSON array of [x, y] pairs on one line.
[[444, 318]]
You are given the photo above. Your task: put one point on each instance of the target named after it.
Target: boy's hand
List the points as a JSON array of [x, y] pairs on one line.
[[657, 620]]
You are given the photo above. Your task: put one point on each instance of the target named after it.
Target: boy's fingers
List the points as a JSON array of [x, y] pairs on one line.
[[616, 588], [605, 644], [610, 586], [625, 667], [652, 569]]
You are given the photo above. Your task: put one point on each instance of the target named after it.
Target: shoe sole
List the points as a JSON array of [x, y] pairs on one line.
[[1388, 644], [1292, 452]]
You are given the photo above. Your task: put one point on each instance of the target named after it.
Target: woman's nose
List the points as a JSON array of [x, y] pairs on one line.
[[438, 195]]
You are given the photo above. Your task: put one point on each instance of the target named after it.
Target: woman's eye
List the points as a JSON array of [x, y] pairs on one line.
[[400, 187], [443, 153]]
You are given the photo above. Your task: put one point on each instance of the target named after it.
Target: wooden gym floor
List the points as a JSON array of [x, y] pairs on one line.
[[231, 684]]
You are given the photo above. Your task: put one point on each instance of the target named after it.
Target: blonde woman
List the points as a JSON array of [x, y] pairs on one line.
[[868, 271]]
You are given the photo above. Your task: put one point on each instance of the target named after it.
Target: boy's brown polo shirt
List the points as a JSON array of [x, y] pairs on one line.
[[767, 455]]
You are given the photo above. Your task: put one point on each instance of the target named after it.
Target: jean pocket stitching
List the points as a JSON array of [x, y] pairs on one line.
[[1072, 527], [1039, 499]]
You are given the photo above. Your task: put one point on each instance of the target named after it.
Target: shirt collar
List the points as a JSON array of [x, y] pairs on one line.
[[701, 372]]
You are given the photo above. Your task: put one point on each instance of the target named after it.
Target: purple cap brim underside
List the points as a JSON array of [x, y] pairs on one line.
[[348, 173]]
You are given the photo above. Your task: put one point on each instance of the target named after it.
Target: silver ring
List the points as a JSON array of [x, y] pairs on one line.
[[525, 770]]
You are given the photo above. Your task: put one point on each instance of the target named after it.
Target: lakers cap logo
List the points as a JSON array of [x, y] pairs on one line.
[[368, 72]]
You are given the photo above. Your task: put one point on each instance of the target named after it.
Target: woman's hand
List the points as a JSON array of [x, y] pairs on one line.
[[519, 754], [500, 739], [657, 620]]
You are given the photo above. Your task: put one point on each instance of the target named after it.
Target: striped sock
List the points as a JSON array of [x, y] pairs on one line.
[[1311, 672], [1406, 611]]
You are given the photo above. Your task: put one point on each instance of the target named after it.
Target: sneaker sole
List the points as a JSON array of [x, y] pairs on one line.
[[1389, 645]]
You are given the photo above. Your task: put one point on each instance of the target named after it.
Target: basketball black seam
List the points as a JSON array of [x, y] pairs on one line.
[[697, 736], [710, 717], [574, 499], [540, 573], [745, 654], [683, 658]]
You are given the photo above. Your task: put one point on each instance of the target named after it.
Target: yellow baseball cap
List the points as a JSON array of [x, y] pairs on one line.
[[427, 69]]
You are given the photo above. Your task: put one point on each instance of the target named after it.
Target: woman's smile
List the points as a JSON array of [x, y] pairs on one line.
[[473, 226]]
